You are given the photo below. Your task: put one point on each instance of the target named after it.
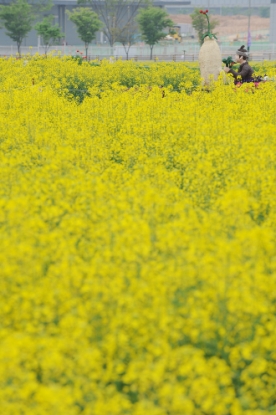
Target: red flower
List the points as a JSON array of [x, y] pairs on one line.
[[77, 51], [200, 11], [206, 11]]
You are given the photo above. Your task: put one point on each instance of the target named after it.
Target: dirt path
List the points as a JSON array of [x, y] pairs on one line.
[[230, 25]]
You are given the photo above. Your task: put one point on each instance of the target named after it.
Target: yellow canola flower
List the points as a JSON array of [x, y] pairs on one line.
[[138, 259]]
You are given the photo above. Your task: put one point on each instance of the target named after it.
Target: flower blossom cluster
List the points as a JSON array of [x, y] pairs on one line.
[[138, 228]]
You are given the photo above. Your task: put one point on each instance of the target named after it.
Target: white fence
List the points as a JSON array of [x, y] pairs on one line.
[[178, 52]]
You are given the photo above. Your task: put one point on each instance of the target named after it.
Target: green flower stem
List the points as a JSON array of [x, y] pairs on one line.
[[208, 22], [211, 35]]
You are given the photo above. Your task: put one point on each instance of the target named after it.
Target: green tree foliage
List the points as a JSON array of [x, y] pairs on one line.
[[264, 11], [49, 33], [200, 24], [41, 6], [87, 23], [17, 18], [152, 22]]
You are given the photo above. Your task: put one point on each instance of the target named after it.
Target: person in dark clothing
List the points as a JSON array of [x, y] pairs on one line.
[[245, 72]]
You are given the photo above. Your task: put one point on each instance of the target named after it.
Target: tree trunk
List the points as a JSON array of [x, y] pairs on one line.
[[151, 47], [18, 49]]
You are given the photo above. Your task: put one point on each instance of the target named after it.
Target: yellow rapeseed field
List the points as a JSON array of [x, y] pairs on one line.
[[138, 255]]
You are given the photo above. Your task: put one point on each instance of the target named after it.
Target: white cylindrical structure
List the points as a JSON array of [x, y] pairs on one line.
[[209, 60]]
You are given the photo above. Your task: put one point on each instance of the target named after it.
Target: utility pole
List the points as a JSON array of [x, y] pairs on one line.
[[248, 29]]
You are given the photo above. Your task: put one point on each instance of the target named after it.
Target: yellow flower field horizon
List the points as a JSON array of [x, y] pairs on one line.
[[138, 255]]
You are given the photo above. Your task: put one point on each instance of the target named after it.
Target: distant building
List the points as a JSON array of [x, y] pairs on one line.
[[67, 27], [71, 37]]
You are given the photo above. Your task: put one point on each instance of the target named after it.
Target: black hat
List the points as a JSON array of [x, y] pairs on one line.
[[242, 51]]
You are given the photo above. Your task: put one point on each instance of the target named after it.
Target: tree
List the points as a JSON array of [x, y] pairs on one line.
[[264, 11], [49, 33], [115, 14], [40, 6], [17, 19], [127, 36], [152, 21], [200, 24], [87, 22]]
